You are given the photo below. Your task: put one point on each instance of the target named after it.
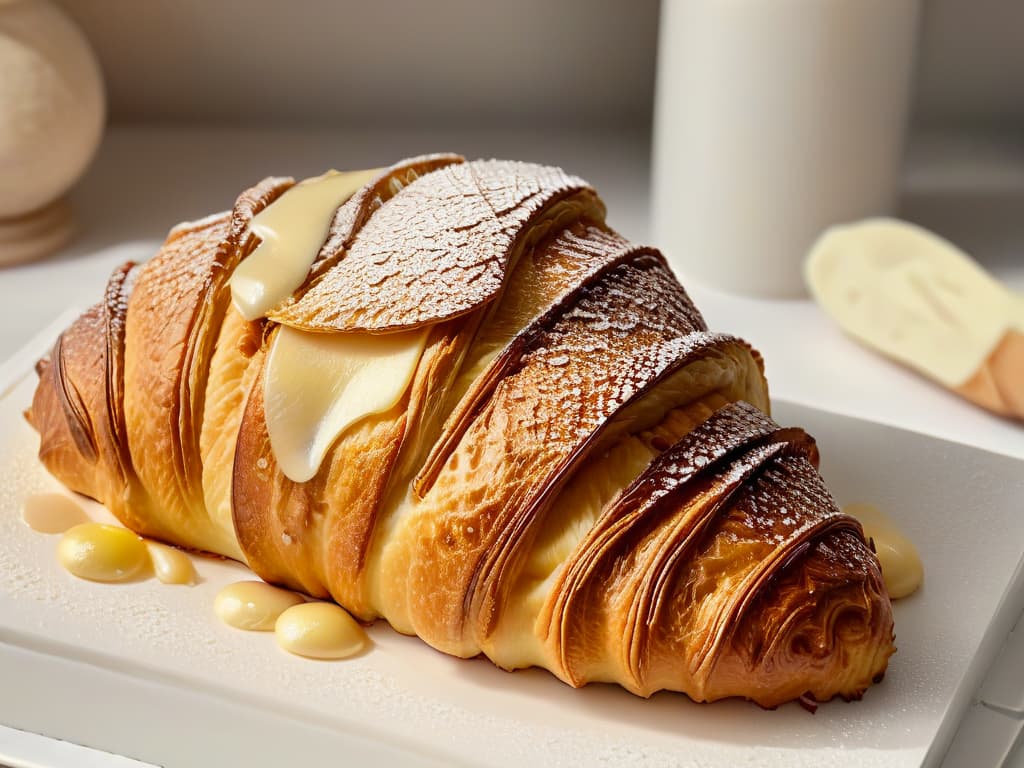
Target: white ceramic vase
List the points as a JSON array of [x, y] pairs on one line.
[[52, 111], [775, 119]]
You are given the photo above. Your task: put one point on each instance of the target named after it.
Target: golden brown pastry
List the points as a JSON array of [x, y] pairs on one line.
[[572, 472]]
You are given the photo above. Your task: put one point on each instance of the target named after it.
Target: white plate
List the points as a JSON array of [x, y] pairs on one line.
[[146, 670]]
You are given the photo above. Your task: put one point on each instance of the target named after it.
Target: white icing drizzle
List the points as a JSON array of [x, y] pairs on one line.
[[292, 230], [318, 385], [315, 386]]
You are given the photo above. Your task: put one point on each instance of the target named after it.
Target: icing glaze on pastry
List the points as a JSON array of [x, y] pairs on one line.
[[291, 230], [317, 385]]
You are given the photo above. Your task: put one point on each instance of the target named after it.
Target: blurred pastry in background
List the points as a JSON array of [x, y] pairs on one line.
[[52, 110], [917, 298]]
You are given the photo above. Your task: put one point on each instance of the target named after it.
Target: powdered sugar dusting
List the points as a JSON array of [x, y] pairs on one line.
[[552, 281], [348, 220], [780, 513], [781, 502], [731, 428], [591, 359], [437, 249]]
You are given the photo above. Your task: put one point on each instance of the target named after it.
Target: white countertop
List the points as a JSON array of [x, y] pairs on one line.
[[146, 179]]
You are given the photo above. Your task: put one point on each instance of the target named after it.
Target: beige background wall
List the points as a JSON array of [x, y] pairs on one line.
[[475, 62], [324, 61]]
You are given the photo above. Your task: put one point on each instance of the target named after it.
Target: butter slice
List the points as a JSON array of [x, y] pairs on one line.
[[292, 230], [317, 385], [913, 296]]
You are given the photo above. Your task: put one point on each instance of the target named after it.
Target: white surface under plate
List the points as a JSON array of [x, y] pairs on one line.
[[146, 670]]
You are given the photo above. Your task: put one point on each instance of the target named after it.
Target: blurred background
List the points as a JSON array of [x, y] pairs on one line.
[[584, 64], [204, 99], [543, 80]]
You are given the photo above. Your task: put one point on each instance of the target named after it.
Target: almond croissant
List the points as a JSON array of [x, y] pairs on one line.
[[576, 475]]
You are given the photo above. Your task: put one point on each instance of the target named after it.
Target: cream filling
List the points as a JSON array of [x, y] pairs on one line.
[[315, 386], [902, 569], [99, 552], [913, 296], [318, 385], [170, 565], [319, 631], [253, 605], [292, 230]]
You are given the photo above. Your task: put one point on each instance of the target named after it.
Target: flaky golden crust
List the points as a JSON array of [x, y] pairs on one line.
[[315, 536], [78, 407], [580, 476], [175, 314], [346, 224], [794, 636], [295, 533], [736, 502], [548, 274], [439, 249], [545, 416]]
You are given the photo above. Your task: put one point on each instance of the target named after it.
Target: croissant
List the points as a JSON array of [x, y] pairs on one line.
[[559, 464]]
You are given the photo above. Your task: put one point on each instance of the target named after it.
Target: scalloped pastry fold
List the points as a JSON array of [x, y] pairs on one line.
[[580, 475], [438, 249]]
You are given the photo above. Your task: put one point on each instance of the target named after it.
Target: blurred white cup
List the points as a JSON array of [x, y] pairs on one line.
[[775, 119]]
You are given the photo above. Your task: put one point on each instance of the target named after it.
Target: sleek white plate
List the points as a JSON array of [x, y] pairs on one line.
[[146, 670]]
